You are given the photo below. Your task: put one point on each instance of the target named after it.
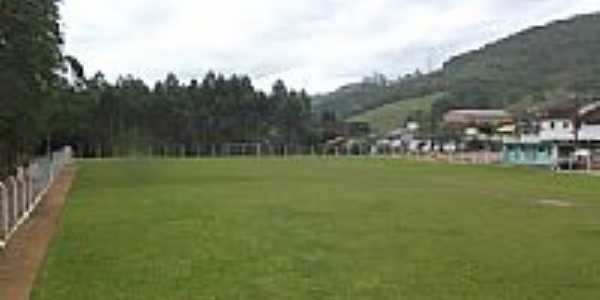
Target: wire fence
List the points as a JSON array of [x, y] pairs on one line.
[[261, 150], [21, 194]]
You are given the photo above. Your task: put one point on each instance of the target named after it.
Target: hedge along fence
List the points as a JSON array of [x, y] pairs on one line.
[[21, 194]]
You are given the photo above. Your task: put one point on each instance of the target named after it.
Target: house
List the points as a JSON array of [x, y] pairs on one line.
[[346, 129], [479, 129], [410, 139], [529, 150], [565, 135], [589, 123]]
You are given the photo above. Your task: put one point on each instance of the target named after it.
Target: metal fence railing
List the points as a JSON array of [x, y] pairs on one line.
[[21, 194], [258, 150]]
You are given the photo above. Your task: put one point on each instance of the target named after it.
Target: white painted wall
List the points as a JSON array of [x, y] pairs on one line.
[[589, 132], [556, 130]]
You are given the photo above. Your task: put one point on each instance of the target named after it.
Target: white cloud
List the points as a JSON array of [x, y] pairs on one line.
[[316, 44]]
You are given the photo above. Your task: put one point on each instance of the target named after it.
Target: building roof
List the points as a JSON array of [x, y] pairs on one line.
[[590, 113], [589, 108], [478, 117], [509, 128], [569, 109], [563, 109]]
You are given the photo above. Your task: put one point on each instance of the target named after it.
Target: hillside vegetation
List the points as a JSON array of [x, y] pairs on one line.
[[560, 58], [392, 116], [354, 99]]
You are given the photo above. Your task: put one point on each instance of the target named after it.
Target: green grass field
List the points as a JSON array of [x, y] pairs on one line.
[[393, 116], [323, 229]]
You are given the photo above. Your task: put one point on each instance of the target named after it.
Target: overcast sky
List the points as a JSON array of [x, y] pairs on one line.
[[313, 44]]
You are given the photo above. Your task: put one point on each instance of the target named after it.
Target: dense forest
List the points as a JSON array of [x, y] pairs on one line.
[[532, 66], [30, 58], [129, 116], [47, 101]]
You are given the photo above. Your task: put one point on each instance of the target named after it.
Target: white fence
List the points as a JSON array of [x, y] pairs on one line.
[[231, 150], [21, 194]]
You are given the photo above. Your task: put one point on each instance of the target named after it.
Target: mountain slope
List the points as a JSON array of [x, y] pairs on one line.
[[357, 98], [392, 116], [563, 56]]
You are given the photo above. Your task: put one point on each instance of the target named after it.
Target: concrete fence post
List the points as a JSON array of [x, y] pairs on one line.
[[24, 197], [32, 183], [29, 183], [259, 150], [15, 200], [4, 200]]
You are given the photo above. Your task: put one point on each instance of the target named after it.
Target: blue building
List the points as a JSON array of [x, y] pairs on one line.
[[531, 154]]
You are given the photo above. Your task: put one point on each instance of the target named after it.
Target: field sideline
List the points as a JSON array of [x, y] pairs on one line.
[[309, 228]]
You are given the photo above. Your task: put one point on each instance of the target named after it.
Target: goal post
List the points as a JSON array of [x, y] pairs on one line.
[[243, 149]]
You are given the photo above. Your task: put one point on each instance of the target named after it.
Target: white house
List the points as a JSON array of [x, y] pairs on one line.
[[589, 132], [578, 125], [589, 123], [557, 129]]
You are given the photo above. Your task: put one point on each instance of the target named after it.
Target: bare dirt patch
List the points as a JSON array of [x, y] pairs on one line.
[[556, 203], [20, 262]]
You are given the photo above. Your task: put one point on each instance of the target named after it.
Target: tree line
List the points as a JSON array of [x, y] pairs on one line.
[[30, 61], [46, 100], [129, 116]]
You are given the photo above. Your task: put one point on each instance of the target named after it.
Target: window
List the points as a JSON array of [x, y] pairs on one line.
[[552, 125], [566, 125]]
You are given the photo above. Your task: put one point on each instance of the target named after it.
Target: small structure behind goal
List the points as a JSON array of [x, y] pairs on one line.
[[242, 149]]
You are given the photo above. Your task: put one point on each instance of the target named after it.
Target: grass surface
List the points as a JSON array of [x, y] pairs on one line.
[[393, 116], [323, 229]]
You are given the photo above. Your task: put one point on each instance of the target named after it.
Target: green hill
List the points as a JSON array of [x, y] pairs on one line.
[[562, 57], [392, 116], [354, 99]]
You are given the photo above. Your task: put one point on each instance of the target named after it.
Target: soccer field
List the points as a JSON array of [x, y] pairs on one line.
[[323, 229]]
